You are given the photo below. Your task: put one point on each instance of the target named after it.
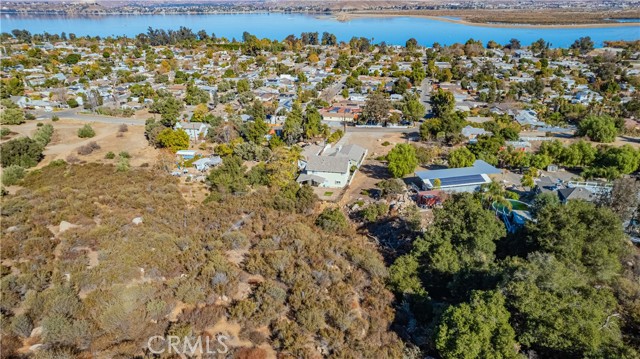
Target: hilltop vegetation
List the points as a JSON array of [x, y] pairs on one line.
[[101, 284], [566, 286]]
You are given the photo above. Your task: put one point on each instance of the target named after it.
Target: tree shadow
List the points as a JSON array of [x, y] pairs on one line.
[[630, 139], [413, 136], [375, 170], [394, 237]]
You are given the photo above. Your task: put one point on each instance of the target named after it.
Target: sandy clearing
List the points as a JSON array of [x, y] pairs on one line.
[[236, 256], [65, 141], [371, 171], [230, 329]]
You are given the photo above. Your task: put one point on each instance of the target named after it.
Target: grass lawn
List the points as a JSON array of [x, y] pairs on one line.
[[328, 194]]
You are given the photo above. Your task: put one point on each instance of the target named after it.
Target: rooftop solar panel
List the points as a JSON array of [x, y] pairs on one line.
[[479, 167], [461, 180]]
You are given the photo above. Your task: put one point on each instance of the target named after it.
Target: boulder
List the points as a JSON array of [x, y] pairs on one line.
[[35, 347], [137, 221], [36, 332], [65, 226]]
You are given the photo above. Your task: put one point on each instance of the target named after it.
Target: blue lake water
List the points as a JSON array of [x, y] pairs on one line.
[[627, 20], [393, 30]]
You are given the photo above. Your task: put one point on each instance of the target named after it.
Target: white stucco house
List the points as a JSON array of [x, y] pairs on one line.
[[195, 130], [205, 163], [326, 171], [332, 167]]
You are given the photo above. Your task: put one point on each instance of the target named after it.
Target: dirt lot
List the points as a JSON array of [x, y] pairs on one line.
[[65, 141], [372, 171]]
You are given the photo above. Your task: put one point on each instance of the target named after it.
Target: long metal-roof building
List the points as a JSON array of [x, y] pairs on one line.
[[466, 179]]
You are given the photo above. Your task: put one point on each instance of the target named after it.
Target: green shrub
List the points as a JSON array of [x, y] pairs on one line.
[[335, 137], [124, 154], [23, 151], [4, 131], [110, 155], [374, 211], [43, 135], [72, 103], [123, 164], [86, 131], [55, 118], [12, 174], [386, 143], [22, 325], [12, 116], [332, 220]]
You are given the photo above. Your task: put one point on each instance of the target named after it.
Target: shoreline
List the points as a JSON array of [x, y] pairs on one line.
[[346, 17]]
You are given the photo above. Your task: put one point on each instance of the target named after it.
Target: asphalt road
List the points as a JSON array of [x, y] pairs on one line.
[[353, 129], [332, 91], [425, 96]]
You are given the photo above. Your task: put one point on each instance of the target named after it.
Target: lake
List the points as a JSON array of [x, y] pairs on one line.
[[392, 30]]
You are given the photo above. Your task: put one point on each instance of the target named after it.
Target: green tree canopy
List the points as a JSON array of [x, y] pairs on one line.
[[598, 128], [402, 160], [448, 125], [12, 116], [229, 177], [257, 111], [169, 109], [255, 130], [195, 95], [313, 126], [557, 312], [292, 129], [478, 329], [461, 241], [377, 107], [174, 140], [332, 220], [578, 154], [412, 109], [442, 102], [580, 234], [461, 157], [24, 152]]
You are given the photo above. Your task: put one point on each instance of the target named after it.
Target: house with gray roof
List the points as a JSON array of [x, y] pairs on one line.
[[195, 130], [205, 163], [529, 118], [326, 171], [331, 167], [565, 194], [354, 153], [473, 132]]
